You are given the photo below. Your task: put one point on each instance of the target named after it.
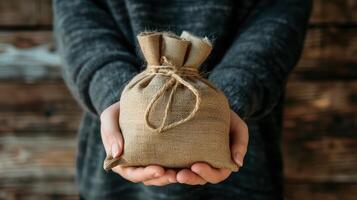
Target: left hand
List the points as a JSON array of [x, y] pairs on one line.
[[202, 173]]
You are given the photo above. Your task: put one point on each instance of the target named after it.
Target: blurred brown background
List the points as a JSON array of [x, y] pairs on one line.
[[39, 118]]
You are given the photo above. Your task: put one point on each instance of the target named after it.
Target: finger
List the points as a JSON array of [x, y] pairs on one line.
[[210, 174], [186, 176], [111, 136], [168, 178], [139, 174], [239, 138]]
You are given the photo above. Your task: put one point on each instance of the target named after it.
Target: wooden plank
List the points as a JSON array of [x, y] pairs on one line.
[[39, 122], [28, 56], [40, 166], [25, 194], [36, 157], [46, 15], [19, 194], [320, 124], [306, 97], [26, 39], [331, 42], [24, 13], [334, 11], [18, 12], [329, 53], [326, 159], [325, 191], [44, 107]]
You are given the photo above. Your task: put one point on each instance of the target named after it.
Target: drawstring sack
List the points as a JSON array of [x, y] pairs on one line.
[[169, 114]]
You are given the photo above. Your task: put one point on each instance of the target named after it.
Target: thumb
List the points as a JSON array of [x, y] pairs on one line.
[[239, 138], [110, 132]]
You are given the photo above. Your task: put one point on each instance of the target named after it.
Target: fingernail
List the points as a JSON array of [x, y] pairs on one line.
[[156, 175], [195, 169], [115, 150], [238, 159]]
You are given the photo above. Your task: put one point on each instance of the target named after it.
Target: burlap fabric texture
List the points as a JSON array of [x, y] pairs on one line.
[[169, 114]]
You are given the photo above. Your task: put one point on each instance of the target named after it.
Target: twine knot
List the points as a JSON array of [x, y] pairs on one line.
[[175, 73]]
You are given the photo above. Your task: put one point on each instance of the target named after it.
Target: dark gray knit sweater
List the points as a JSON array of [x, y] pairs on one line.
[[256, 45]]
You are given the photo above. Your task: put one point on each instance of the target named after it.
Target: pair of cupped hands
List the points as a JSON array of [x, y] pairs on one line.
[[199, 173]]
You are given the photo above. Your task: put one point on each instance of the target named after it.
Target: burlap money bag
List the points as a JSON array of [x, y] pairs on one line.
[[169, 114]]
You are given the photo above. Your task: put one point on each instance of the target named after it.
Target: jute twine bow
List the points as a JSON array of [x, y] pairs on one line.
[[176, 74]]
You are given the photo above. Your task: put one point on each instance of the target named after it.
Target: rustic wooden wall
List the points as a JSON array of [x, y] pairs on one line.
[[320, 126], [38, 117]]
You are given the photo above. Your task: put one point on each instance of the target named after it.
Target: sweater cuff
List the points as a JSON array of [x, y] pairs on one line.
[[108, 83], [240, 88]]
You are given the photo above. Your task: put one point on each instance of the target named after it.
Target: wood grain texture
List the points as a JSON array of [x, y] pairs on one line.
[[320, 124], [44, 107], [36, 157], [37, 141], [323, 191], [18, 12], [19, 193], [37, 166], [28, 56], [24, 13], [329, 53], [26, 39], [46, 16], [334, 11]]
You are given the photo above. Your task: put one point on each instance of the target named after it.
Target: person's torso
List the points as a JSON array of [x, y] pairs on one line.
[[219, 20]]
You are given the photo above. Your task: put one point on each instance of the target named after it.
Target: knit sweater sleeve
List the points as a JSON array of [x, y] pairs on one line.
[[97, 59], [255, 68]]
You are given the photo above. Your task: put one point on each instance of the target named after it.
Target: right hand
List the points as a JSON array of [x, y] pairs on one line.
[[113, 143]]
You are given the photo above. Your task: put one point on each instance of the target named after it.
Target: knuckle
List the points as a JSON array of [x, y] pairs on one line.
[[110, 131], [103, 115], [119, 170], [147, 184], [131, 177], [119, 173], [215, 181], [245, 128], [109, 112], [244, 125], [107, 130], [203, 183], [188, 180], [155, 183], [163, 183], [116, 170], [135, 181], [183, 180]]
